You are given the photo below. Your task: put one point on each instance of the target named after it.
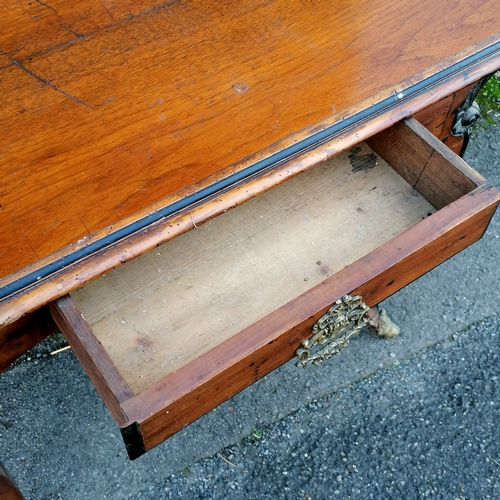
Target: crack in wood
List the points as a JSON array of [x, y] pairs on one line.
[[423, 169], [45, 82]]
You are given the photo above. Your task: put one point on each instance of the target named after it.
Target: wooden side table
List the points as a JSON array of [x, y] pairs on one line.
[[198, 192]]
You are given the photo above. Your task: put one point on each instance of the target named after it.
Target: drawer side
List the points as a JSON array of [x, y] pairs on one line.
[[94, 359], [435, 171]]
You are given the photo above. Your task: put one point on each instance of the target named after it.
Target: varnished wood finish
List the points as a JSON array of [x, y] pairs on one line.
[[158, 233], [18, 337], [163, 408], [128, 112], [31, 28]]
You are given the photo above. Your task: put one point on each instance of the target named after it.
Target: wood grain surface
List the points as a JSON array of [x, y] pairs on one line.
[[33, 27], [435, 172], [109, 109], [111, 256]]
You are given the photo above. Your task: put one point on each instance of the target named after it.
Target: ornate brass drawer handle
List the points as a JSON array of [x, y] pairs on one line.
[[344, 319], [333, 330]]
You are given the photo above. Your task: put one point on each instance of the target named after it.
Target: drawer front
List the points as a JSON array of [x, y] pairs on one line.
[[165, 343]]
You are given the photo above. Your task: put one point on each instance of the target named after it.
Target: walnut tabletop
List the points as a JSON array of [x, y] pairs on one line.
[[125, 124]]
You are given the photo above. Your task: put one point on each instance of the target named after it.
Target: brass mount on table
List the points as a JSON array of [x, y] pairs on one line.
[[333, 330]]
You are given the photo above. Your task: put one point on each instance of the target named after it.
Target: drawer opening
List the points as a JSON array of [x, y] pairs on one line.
[[173, 333], [159, 312]]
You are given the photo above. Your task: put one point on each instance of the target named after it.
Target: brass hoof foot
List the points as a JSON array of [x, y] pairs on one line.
[[382, 323]]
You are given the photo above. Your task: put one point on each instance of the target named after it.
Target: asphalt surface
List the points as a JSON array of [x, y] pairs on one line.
[[412, 417]]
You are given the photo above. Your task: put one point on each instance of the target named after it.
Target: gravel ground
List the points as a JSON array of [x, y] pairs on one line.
[[409, 417]]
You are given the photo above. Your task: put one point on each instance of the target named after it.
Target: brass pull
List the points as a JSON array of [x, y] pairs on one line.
[[333, 330]]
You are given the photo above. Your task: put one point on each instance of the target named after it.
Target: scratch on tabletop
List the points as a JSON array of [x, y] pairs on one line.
[[106, 9], [45, 82], [157, 7], [107, 100], [71, 31], [192, 220], [48, 7], [84, 225], [32, 249]]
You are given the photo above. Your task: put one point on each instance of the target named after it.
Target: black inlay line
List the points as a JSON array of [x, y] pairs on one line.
[[247, 173]]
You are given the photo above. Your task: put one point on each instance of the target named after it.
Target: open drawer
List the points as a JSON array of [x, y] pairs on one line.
[[172, 334]]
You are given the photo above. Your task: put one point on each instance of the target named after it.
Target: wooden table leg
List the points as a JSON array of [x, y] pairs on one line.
[[8, 488]]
